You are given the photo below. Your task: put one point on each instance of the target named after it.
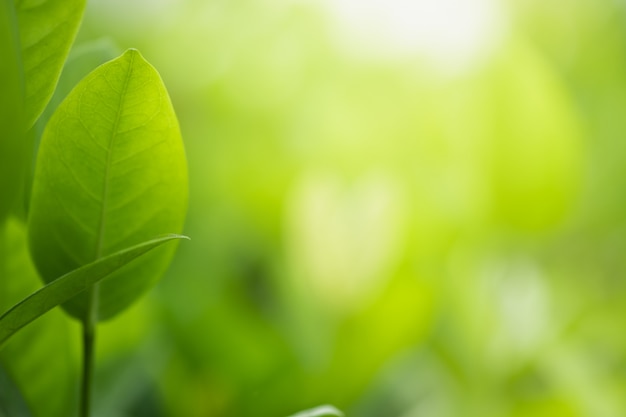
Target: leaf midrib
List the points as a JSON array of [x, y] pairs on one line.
[[105, 190]]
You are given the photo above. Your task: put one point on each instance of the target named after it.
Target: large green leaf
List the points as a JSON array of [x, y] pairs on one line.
[[47, 29], [321, 411], [13, 149], [111, 172], [71, 285]]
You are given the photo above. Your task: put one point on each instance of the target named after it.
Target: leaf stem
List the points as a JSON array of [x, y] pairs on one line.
[[89, 338]]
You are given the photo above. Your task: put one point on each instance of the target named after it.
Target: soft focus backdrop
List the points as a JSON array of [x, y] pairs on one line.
[[405, 208]]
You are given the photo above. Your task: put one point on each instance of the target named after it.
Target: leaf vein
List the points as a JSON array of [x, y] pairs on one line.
[[80, 184], [107, 167]]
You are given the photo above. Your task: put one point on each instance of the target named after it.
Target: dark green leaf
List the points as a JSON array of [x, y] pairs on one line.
[[47, 30], [13, 147], [11, 402], [111, 172], [70, 285]]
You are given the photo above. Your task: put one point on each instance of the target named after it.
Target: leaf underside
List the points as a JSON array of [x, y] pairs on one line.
[[72, 284], [111, 172]]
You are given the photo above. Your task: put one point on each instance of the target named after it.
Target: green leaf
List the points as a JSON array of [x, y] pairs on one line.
[[111, 172], [46, 386], [13, 147], [321, 411], [83, 59], [11, 402], [72, 284], [47, 29]]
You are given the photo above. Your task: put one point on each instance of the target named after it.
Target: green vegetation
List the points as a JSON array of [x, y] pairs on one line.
[[110, 174], [400, 208]]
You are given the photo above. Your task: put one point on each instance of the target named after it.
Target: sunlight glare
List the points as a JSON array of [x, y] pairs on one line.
[[448, 32]]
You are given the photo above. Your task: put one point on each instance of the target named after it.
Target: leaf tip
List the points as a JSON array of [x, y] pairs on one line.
[[131, 53]]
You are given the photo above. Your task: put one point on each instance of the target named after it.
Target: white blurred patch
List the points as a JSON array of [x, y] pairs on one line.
[[139, 14], [344, 240], [522, 305], [450, 33]]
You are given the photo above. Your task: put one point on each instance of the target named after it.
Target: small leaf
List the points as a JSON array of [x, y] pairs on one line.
[[321, 411], [111, 172], [47, 29], [72, 284], [13, 147]]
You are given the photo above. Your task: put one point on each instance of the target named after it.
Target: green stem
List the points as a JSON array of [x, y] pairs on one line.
[[89, 336]]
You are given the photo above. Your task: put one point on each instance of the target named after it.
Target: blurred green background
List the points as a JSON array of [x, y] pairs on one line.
[[404, 208]]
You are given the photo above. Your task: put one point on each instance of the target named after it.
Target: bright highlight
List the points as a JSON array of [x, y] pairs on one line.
[[448, 32]]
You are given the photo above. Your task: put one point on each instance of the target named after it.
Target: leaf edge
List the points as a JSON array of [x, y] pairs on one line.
[[18, 316]]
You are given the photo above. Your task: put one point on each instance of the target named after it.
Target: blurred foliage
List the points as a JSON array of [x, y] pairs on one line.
[[395, 234]]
